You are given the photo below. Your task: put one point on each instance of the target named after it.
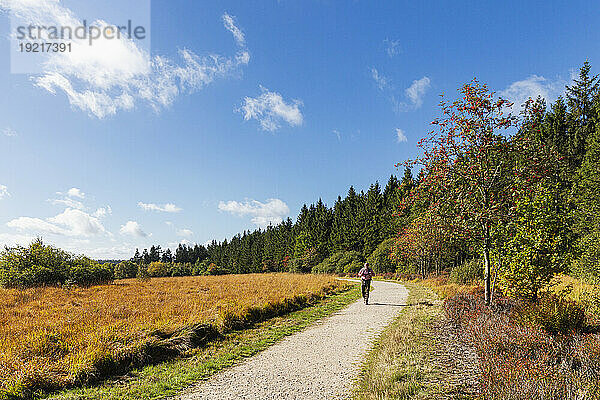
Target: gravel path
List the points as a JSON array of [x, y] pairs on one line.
[[317, 363]]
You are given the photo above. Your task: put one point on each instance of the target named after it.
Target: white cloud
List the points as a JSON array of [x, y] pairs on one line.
[[71, 222], [121, 252], [115, 74], [8, 239], [400, 136], [102, 212], [169, 223], [169, 207], [417, 90], [78, 223], [68, 202], [518, 92], [132, 228], [9, 132], [381, 81], [263, 214], [392, 47], [74, 192], [229, 23], [185, 232], [36, 225], [270, 109], [3, 192]]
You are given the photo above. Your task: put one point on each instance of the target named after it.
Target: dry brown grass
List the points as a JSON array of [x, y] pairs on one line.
[[53, 337], [446, 289]]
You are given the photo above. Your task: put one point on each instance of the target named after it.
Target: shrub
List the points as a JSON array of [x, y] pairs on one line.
[[342, 262], [180, 269], [40, 264], [125, 269], [536, 244], [587, 266], [523, 361], [466, 273], [380, 259], [305, 262], [85, 272], [200, 267], [157, 269], [553, 313], [214, 269], [142, 272]]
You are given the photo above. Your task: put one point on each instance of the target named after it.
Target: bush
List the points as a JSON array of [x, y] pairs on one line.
[[126, 269], [306, 262], [40, 264], [524, 361], [142, 272], [466, 273], [342, 262], [200, 267], [553, 313], [180, 269], [214, 269], [85, 272], [157, 269], [587, 266], [380, 259]]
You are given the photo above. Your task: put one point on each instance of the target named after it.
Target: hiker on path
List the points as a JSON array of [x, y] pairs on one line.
[[366, 274]]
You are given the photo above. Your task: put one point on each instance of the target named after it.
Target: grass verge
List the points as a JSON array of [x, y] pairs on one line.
[[400, 364], [170, 378], [419, 355]]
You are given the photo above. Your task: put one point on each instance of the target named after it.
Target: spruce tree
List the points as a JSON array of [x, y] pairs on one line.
[[581, 97]]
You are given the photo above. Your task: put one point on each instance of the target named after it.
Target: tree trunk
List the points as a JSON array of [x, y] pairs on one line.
[[487, 267]]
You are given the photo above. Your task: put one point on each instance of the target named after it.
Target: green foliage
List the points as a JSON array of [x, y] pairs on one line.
[[142, 272], [180, 269], [424, 245], [554, 313], [342, 262], [125, 269], [214, 269], [468, 272], [587, 266], [200, 268], [84, 271], [157, 268], [381, 259], [305, 261], [40, 264], [535, 245]]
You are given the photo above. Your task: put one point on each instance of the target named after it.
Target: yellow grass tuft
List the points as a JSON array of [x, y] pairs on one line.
[[579, 291], [53, 337], [445, 289]]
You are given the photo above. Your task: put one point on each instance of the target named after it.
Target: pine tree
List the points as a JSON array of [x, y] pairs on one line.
[[137, 258], [581, 97], [167, 256]]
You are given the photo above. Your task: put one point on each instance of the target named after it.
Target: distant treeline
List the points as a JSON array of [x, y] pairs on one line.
[[352, 228]]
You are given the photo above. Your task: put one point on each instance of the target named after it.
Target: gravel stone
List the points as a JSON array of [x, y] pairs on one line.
[[320, 362]]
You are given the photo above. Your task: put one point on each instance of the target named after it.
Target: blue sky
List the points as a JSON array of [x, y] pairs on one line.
[[117, 149]]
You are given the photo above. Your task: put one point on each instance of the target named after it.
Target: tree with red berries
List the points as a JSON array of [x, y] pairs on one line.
[[465, 165]]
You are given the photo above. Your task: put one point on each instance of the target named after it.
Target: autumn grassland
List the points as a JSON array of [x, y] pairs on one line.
[[55, 337]]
